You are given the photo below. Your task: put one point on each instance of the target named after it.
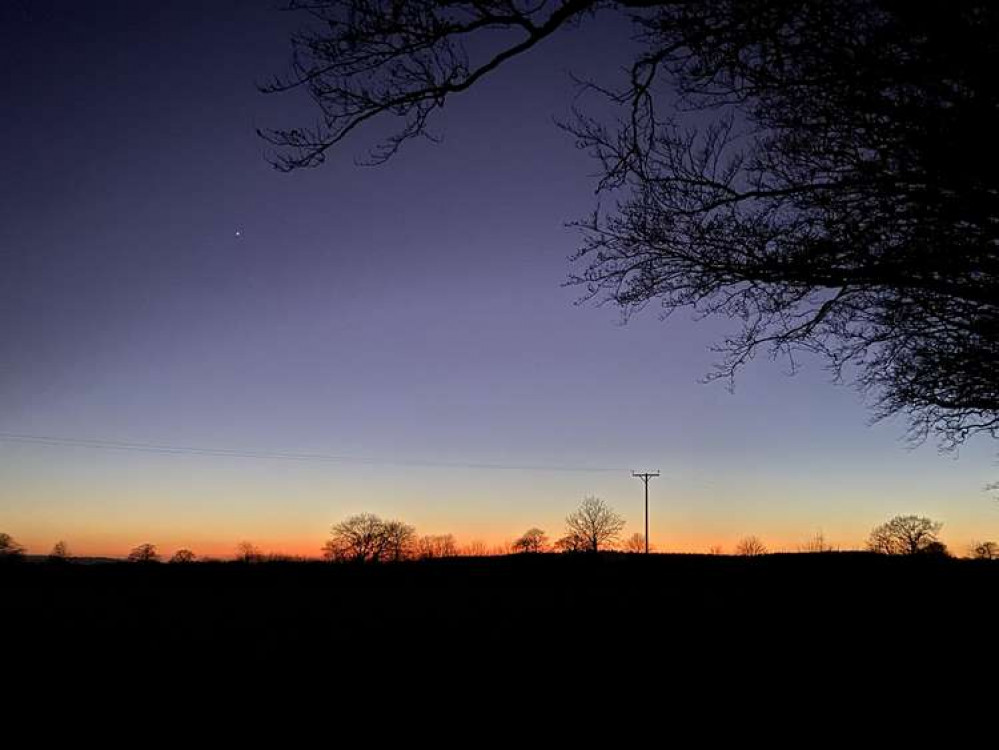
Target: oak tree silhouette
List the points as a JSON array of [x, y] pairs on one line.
[[819, 170], [906, 535], [367, 538]]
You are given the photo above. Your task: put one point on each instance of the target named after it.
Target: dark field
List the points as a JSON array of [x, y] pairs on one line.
[[610, 609]]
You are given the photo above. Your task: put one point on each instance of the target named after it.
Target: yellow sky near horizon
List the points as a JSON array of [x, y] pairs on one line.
[[103, 503]]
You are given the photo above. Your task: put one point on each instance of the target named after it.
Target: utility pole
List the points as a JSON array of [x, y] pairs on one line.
[[645, 477]]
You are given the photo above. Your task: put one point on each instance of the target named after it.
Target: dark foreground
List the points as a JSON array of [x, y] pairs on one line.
[[530, 609], [597, 651]]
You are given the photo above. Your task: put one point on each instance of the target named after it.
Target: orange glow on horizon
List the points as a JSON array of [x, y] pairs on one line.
[[115, 546]]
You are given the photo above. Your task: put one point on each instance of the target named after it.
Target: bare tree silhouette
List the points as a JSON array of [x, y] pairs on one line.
[[400, 541], [840, 203], [594, 524], [571, 543], [635, 543], [436, 546], [144, 553], [533, 540], [359, 538], [817, 543], [750, 546], [183, 556], [60, 552], [248, 552], [905, 535], [475, 548], [503, 548], [367, 538]]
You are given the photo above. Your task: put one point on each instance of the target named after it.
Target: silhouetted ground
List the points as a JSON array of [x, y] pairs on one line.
[[820, 614]]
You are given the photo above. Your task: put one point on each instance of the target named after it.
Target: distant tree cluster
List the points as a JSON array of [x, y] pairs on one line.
[[144, 553], [985, 551], [635, 543], [533, 540], [569, 543], [60, 552], [475, 549], [593, 526], [248, 552], [367, 538], [183, 556], [817, 543], [436, 546]]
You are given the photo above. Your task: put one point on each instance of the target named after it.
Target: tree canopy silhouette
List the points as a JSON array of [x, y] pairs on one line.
[[533, 540], [144, 553], [367, 538], [906, 535], [436, 546], [248, 552], [635, 542], [593, 524], [821, 170], [570, 543]]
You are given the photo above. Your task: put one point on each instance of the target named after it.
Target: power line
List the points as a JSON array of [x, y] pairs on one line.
[[120, 445]]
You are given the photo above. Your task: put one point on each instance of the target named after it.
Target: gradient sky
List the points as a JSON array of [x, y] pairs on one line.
[[410, 314]]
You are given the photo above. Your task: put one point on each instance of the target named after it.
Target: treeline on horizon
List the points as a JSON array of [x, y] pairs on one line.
[[593, 528]]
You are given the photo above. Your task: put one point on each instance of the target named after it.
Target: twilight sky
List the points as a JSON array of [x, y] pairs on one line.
[[161, 283]]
